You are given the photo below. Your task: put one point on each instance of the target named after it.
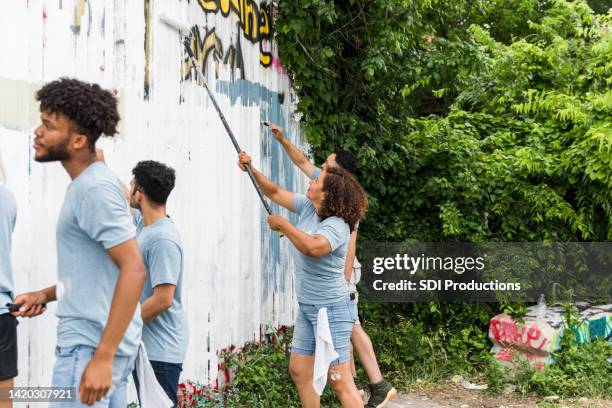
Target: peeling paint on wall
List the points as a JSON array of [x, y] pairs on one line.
[[79, 11], [238, 275], [147, 46]]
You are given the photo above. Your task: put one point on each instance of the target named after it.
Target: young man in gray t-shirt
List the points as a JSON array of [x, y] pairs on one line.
[[165, 332], [100, 268]]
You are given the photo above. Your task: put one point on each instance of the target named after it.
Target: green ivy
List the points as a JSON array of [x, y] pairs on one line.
[[469, 124]]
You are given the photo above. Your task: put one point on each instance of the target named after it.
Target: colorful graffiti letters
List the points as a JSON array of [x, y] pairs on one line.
[[210, 44], [255, 22]]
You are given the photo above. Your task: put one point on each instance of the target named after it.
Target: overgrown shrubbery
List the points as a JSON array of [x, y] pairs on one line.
[[580, 370], [430, 342], [460, 136]]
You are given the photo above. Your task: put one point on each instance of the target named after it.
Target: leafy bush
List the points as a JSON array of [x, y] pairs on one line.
[[262, 375], [460, 136], [579, 371]]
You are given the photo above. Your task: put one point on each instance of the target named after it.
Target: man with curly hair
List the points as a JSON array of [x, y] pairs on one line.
[[380, 390], [100, 268], [165, 331]]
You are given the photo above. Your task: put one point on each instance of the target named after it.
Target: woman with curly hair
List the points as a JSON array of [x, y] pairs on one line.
[[327, 214]]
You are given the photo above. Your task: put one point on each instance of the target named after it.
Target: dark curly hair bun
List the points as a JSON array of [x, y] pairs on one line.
[[92, 110]]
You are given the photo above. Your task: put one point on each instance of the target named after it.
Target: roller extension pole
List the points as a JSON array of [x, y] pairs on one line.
[[183, 28]]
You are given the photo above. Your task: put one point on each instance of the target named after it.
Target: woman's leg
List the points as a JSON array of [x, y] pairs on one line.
[[341, 317], [341, 381], [301, 368], [301, 363]]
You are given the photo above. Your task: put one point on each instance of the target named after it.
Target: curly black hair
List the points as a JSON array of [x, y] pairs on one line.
[[92, 110], [344, 197], [347, 160], [155, 180]]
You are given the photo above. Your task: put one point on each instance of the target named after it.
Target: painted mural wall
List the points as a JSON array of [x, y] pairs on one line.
[[238, 275]]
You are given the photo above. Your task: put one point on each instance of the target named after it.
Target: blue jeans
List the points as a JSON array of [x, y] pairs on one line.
[[69, 366], [167, 375], [341, 318]]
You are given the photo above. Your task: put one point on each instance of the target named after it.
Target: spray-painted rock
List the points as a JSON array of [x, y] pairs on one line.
[[533, 336], [537, 338]]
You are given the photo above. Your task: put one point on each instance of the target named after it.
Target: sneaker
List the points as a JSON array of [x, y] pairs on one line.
[[381, 393]]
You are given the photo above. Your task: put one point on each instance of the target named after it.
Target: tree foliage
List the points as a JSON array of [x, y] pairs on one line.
[[470, 124]]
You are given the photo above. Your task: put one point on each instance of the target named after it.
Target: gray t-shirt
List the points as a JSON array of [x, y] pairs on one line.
[[94, 218], [320, 280], [356, 272], [8, 217], [166, 336]]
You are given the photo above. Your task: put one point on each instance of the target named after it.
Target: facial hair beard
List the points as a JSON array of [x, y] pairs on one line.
[[55, 153], [133, 202]]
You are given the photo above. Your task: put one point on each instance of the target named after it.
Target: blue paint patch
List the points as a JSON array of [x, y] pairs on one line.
[[282, 171]]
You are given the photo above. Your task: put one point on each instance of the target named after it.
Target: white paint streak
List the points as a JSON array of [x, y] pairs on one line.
[[235, 280]]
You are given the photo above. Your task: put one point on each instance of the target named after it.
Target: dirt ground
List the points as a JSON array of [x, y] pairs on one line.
[[455, 396]]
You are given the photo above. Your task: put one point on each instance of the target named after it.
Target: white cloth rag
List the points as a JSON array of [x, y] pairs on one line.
[[324, 352], [151, 394]]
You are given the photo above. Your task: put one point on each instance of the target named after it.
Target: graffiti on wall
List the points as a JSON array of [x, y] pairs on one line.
[[209, 45], [255, 22]]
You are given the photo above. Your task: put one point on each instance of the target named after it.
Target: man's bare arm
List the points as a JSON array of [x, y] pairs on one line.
[[159, 302], [296, 156], [130, 281], [350, 256], [34, 303], [98, 375]]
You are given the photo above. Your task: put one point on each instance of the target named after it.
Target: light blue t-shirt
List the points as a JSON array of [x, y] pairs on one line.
[[315, 173], [320, 280], [8, 217], [94, 218], [166, 336]]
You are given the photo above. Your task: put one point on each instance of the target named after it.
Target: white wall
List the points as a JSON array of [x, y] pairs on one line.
[[238, 275]]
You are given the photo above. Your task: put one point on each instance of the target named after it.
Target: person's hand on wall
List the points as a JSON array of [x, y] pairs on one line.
[[32, 304], [277, 131]]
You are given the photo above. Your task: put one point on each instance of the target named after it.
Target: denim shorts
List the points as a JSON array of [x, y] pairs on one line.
[[341, 319], [69, 366]]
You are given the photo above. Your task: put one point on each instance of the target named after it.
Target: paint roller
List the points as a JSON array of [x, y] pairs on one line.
[[183, 30]]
